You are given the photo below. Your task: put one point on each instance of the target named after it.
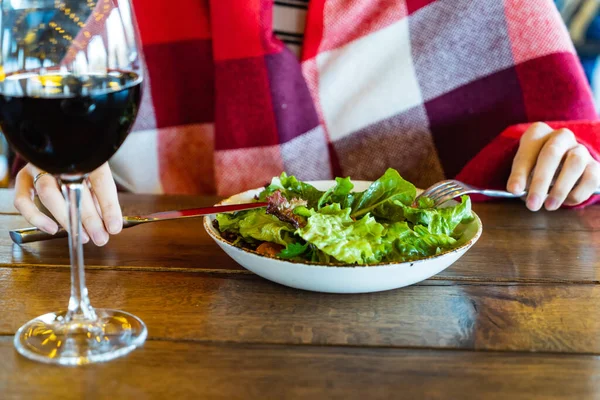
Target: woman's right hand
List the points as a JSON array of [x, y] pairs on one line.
[[100, 210]]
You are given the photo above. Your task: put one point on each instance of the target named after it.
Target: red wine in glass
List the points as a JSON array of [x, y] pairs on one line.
[[66, 124]]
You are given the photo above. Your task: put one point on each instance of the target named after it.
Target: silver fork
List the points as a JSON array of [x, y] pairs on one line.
[[447, 190]]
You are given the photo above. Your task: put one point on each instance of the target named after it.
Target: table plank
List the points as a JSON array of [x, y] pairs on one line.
[[503, 255], [248, 309], [165, 245], [228, 371], [514, 215]]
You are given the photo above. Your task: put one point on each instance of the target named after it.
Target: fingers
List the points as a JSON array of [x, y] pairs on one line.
[[105, 193], [531, 144], [558, 144], [576, 162], [91, 219], [24, 203], [100, 209], [545, 155], [52, 198], [589, 183], [49, 194]]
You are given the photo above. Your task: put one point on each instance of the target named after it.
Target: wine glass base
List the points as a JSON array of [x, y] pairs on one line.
[[49, 339]]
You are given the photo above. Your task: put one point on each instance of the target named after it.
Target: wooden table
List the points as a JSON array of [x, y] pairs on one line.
[[516, 317]]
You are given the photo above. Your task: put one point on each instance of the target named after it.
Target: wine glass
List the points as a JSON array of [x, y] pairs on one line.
[[70, 88]]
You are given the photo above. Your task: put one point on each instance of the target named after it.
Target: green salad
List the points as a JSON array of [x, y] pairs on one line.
[[384, 223]]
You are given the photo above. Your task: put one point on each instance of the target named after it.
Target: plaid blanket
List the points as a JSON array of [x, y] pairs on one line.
[[433, 88]]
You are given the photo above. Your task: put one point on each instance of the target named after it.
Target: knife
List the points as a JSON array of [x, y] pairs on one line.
[[29, 235]]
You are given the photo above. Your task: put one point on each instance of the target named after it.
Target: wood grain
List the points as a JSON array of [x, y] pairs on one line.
[[248, 309], [188, 370], [514, 215], [163, 245]]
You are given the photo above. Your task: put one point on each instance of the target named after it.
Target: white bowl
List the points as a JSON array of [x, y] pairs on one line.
[[341, 279]]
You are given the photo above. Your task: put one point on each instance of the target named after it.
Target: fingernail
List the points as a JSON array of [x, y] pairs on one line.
[[51, 229], [516, 187], [534, 202], [552, 204], [100, 238], [84, 237], [114, 226]]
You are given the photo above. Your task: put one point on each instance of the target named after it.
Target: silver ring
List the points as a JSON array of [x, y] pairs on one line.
[[37, 177]]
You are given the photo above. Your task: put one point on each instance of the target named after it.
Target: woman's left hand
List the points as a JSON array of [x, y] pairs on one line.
[[542, 151]]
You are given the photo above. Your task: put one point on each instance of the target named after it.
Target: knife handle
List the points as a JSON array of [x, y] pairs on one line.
[[30, 235]]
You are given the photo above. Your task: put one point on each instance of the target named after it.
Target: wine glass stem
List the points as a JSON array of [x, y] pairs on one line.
[[79, 303]]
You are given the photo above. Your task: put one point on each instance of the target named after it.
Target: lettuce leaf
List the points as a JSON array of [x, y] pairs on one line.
[[340, 193], [293, 250], [425, 202], [230, 222], [332, 231], [384, 197], [404, 243], [442, 221], [257, 225], [291, 188], [305, 251]]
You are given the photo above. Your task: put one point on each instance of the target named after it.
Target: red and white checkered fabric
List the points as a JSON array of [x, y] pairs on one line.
[[429, 87]]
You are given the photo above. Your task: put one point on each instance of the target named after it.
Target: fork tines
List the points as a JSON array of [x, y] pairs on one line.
[[445, 191]]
